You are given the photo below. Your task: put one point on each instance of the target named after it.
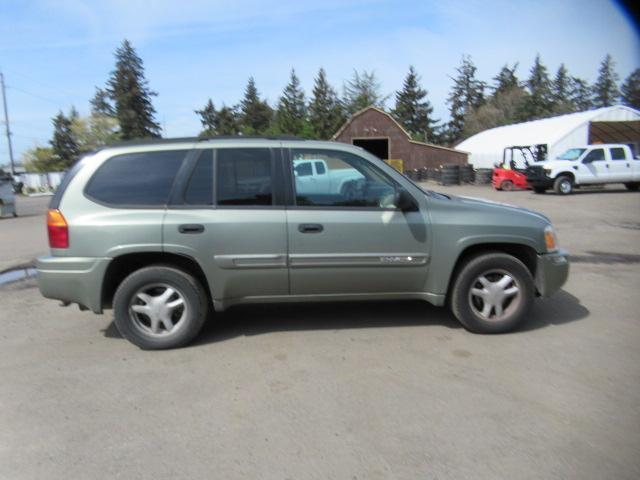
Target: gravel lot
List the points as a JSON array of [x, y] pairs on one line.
[[340, 391]]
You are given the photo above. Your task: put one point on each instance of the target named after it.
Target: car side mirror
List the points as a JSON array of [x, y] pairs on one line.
[[404, 201]]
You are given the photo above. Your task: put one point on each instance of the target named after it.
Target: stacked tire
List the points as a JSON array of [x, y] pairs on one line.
[[467, 174], [450, 174], [483, 176]]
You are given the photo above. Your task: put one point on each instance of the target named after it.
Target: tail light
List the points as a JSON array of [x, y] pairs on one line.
[[58, 229]]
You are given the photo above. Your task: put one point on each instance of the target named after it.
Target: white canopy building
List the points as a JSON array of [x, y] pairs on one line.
[[617, 124]]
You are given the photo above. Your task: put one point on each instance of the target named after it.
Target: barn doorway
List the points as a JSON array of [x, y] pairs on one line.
[[376, 146]]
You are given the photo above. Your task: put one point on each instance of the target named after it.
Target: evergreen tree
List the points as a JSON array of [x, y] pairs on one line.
[[64, 145], [208, 118], [255, 114], [227, 121], [130, 93], [291, 114], [101, 104], [561, 92], [539, 104], [605, 90], [413, 110], [631, 89], [362, 91], [466, 96], [506, 80], [325, 110], [580, 94]]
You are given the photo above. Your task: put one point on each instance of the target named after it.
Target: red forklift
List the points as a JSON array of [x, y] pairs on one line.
[[510, 174]]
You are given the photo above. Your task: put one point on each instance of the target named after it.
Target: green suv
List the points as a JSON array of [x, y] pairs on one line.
[[167, 232]]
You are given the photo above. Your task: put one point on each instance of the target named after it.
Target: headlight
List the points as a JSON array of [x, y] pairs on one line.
[[550, 239]]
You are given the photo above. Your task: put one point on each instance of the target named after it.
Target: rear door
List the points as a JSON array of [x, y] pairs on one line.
[[227, 212], [620, 166], [353, 241]]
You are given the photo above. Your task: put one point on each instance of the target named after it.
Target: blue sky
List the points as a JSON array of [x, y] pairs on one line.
[[54, 52]]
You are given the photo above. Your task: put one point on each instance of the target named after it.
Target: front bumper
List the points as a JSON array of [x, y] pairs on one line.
[[73, 279], [552, 271], [538, 179]]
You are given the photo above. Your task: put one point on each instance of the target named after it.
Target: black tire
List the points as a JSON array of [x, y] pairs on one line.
[[563, 185], [539, 189], [464, 305], [507, 186], [632, 187], [194, 297]]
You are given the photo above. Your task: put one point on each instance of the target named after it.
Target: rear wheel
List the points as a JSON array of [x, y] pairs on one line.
[[492, 293], [539, 189], [160, 307], [633, 187], [563, 185], [507, 186]]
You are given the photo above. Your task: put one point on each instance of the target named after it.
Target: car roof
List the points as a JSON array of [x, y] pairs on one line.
[[239, 141]]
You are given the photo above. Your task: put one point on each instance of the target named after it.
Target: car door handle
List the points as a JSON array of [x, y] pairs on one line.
[[607, 165], [310, 228], [191, 228]]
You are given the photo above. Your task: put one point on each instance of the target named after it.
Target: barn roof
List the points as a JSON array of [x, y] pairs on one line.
[[547, 130], [378, 110]]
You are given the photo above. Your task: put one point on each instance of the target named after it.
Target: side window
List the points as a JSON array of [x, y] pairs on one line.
[[244, 177], [200, 188], [302, 169], [350, 181], [320, 168], [136, 179], [617, 154], [594, 156]]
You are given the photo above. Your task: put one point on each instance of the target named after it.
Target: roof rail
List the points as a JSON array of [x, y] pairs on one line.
[[154, 141]]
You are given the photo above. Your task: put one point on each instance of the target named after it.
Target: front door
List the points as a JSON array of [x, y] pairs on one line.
[[350, 238], [594, 168], [232, 222]]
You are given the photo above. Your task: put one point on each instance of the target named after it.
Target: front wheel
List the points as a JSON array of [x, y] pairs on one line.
[[632, 187], [507, 186], [563, 185], [160, 307], [492, 293]]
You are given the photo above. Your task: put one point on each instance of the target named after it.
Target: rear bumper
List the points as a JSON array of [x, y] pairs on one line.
[[73, 279], [552, 272]]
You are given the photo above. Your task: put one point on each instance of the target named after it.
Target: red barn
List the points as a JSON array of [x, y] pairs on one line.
[[380, 134]]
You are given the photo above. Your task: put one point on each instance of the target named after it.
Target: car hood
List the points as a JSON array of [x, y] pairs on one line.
[[483, 203], [554, 163]]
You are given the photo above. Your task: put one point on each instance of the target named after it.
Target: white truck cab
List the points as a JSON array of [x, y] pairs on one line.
[[587, 165]]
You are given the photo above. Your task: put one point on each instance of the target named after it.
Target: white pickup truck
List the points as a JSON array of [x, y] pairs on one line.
[[313, 176], [588, 165]]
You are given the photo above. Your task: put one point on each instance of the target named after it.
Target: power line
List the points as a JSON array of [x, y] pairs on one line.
[[46, 99]]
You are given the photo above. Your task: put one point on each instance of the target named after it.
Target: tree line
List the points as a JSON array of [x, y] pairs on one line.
[[123, 108]]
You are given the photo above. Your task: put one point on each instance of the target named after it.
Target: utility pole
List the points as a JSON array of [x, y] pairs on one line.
[[6, 124]]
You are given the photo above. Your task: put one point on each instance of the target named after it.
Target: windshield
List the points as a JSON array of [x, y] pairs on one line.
[[572, 154]]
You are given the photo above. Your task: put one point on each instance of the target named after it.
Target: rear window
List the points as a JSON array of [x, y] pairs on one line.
[[617, 154], [244, 176], [136, 179], [200, 188]]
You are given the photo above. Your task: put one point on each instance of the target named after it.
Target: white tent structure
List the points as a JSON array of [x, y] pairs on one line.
[[557, 133]]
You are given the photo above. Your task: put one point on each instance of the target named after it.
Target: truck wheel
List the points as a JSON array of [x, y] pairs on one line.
[[539, 189], [492, 293], [563, 185], [507, 186], [633, 187], [160, 307]]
